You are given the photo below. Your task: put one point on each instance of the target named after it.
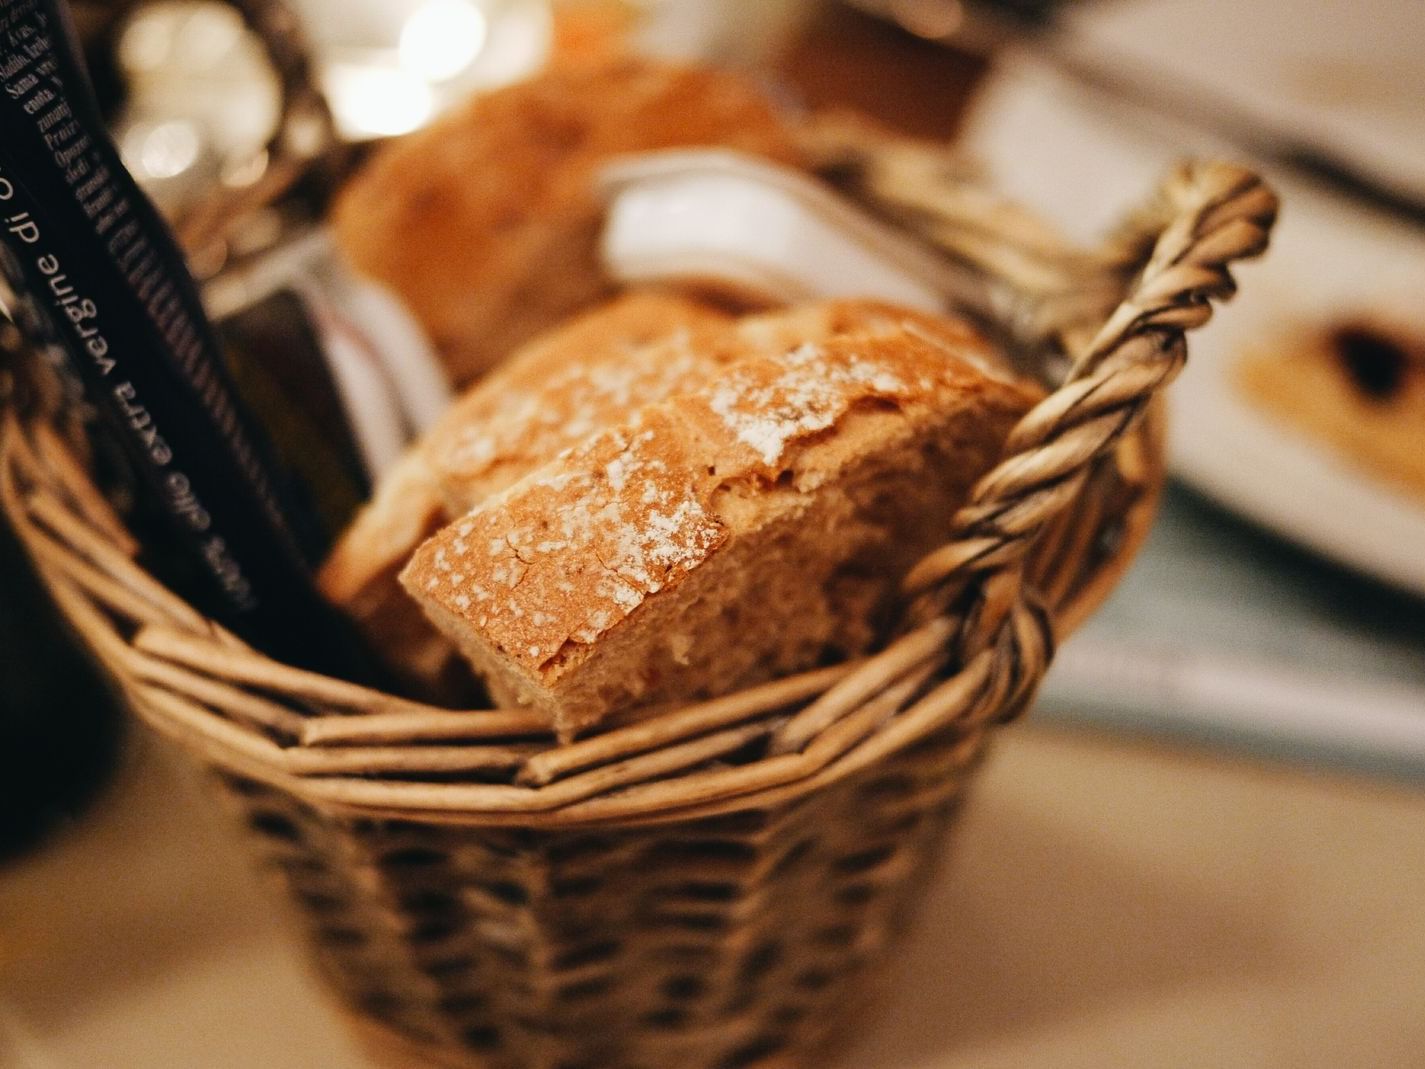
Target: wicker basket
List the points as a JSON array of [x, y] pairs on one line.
[[703, 886]]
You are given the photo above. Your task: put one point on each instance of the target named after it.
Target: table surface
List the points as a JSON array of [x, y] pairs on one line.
[[1108, 903]]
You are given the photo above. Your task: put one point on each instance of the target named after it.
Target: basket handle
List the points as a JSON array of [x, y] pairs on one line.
[[1204, 217]]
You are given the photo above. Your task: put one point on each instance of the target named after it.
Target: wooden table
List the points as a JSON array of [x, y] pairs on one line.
[[1108, 903]]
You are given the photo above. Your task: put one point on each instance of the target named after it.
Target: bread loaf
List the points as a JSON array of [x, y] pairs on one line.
[[569, 382], [750, 525], [359, 575], [591, 373], [485, 222]]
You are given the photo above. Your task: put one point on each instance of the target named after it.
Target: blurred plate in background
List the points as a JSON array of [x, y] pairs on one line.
[[1219, 635], [1074, 153]]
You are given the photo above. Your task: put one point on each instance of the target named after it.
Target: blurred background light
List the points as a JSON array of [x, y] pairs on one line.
[[372, 101], [385, 66], [442, 38], [162, 150]]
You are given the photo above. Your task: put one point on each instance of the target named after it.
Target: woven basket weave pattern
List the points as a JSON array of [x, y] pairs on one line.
[[716, 942], [701, 887]]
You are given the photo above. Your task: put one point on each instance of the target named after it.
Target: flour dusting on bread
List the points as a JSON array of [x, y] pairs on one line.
[[747, 526], [574, 549]]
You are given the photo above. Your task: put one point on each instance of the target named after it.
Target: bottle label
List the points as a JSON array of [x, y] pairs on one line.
[[96, 261]]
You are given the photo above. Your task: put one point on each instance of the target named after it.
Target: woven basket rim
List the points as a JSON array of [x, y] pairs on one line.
[[981, 641]]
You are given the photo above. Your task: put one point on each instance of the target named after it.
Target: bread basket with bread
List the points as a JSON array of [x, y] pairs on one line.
[[684, 834]]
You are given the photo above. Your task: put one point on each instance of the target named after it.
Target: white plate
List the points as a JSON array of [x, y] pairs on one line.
[[1342, 74], [1080, 162], [1271, 472]]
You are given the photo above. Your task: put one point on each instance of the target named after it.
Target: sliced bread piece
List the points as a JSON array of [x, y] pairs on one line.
[[555, 391], [749, 527]]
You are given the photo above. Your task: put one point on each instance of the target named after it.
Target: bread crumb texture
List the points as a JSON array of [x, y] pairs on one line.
[[752, 525], [567, 385]]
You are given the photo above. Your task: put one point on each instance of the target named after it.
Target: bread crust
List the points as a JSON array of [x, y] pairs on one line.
[[485, 222], [566, 385], [545, 399], [592, 372], [819, 471], [360, 576]]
